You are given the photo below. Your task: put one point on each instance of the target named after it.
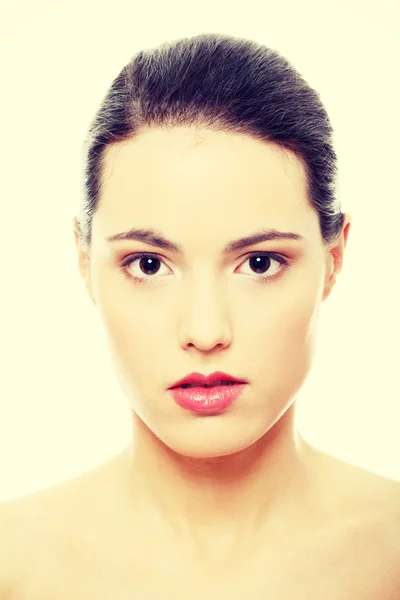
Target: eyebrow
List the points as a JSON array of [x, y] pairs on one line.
[[155, 238]]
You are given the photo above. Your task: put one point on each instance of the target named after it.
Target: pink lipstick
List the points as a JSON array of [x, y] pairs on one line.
[[212, 393]]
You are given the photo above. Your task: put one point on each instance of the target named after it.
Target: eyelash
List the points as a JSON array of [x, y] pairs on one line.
[[263, 278]]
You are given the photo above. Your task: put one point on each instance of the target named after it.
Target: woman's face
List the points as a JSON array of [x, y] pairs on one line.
[[202, 309]]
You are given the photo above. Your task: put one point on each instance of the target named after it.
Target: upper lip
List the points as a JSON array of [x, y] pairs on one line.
[[206, 379]]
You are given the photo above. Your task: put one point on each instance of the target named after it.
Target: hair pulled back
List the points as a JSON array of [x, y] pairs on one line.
[[222, 83]]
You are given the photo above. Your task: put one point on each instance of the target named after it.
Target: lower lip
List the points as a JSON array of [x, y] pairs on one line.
[[211, 399]]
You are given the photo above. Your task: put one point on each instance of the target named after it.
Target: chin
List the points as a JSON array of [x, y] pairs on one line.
[[212, 439]]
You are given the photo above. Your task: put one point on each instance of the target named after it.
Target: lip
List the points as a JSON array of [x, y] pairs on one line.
[[212, 399], [206, 380]]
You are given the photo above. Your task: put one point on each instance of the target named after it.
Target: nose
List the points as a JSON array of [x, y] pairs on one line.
[[204, 321]]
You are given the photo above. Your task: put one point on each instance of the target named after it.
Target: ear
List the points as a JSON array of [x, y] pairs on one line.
[[335, 255], [83, 259]]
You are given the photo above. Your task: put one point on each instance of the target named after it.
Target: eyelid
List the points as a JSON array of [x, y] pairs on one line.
[[137, 255], [249, 254], [283, 261]]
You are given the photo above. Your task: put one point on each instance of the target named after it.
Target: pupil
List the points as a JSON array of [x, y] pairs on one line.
[[143, 263], [259, 262]]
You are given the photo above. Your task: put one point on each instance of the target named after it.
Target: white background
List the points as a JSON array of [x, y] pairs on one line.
[[61, 410]]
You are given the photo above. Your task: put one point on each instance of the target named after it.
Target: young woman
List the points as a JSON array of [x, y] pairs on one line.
[[209, 237]]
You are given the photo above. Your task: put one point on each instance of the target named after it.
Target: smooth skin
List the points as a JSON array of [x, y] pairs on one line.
[[225, 504]]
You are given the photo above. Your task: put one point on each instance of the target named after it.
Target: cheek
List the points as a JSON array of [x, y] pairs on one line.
[[284, 330], [134, 327]]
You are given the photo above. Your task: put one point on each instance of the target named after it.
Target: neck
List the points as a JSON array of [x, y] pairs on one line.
[[204, 500]]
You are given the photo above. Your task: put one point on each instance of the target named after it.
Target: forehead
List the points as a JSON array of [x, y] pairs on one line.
[[203, 176]]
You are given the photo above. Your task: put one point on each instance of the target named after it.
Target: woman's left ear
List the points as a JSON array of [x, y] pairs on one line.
[[335, 257]]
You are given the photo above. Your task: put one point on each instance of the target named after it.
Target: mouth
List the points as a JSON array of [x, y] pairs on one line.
[[215, 384], [216, 379]]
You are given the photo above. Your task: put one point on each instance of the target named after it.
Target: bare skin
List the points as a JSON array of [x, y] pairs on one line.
[[80, 539], [228, 505]]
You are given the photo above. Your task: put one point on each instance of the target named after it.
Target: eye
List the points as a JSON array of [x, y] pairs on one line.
[[148, 265], [262, 263]]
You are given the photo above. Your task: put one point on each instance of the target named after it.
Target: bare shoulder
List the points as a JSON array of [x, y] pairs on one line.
[[40, 528], [19, 550], [364, 508], [368, 489], [357, 490], [20, 520], [11, 547], [376, 534], [368, 502]]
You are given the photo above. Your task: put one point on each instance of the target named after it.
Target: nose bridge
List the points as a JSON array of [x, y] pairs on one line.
[[204, 319]]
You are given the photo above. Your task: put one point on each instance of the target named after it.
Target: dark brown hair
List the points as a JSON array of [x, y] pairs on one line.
[[223, 83]]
